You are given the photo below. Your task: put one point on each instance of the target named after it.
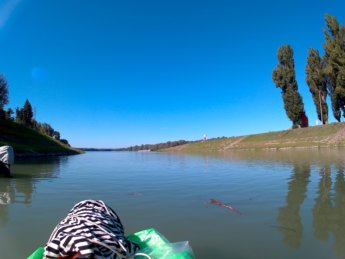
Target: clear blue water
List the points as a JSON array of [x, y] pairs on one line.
[[292, 202]]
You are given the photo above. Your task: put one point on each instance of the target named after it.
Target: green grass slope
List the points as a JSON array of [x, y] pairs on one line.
[[331, 135], [28, 142]]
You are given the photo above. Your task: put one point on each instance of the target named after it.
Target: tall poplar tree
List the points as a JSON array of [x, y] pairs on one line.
[[334, 58], [284, 78], [316, 81]]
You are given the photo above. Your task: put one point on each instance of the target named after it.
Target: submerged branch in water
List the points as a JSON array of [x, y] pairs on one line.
[[221, 204]]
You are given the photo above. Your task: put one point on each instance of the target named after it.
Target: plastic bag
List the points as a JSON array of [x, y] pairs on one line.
[[156, 246]]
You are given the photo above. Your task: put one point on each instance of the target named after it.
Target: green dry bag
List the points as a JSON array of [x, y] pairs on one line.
[[152, 245]]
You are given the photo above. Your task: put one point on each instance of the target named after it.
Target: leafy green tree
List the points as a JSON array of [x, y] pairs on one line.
[[8, 114], [3, 95], [28, 114], [65, 141], [3, 91], [56, 135], [284, 78], [25, 115], [45, 128], [334, 58], [19, 116], [317, 83]]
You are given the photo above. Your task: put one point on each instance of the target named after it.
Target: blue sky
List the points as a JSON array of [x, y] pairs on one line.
[[116, 73]]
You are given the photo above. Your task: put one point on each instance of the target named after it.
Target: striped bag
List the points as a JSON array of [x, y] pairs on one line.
[[90, 230]]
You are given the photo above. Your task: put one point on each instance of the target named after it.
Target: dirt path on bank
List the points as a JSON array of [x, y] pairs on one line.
[[340, 135], [233, 144]]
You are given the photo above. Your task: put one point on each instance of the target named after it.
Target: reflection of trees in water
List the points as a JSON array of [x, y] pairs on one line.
[[323, 206], [41, 167], [25, 188], [19, 188], [339, 226], [289, 218], [329, 209], [7, 194]]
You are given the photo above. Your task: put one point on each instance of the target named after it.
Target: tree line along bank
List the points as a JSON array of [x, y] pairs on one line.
[[325, 77], [24, 115]]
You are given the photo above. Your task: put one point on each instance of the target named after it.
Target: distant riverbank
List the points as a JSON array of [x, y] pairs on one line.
[[331, 135]]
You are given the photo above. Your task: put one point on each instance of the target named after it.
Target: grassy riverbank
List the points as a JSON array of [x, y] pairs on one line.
[[331, 135], [28, 142]]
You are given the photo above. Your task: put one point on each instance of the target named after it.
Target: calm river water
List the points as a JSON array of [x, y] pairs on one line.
[[292, 202]]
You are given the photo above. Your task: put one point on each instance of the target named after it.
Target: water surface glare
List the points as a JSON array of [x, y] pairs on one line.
[[292, 203]]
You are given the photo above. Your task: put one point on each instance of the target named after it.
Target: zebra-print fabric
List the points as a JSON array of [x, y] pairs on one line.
[[91, 230]]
